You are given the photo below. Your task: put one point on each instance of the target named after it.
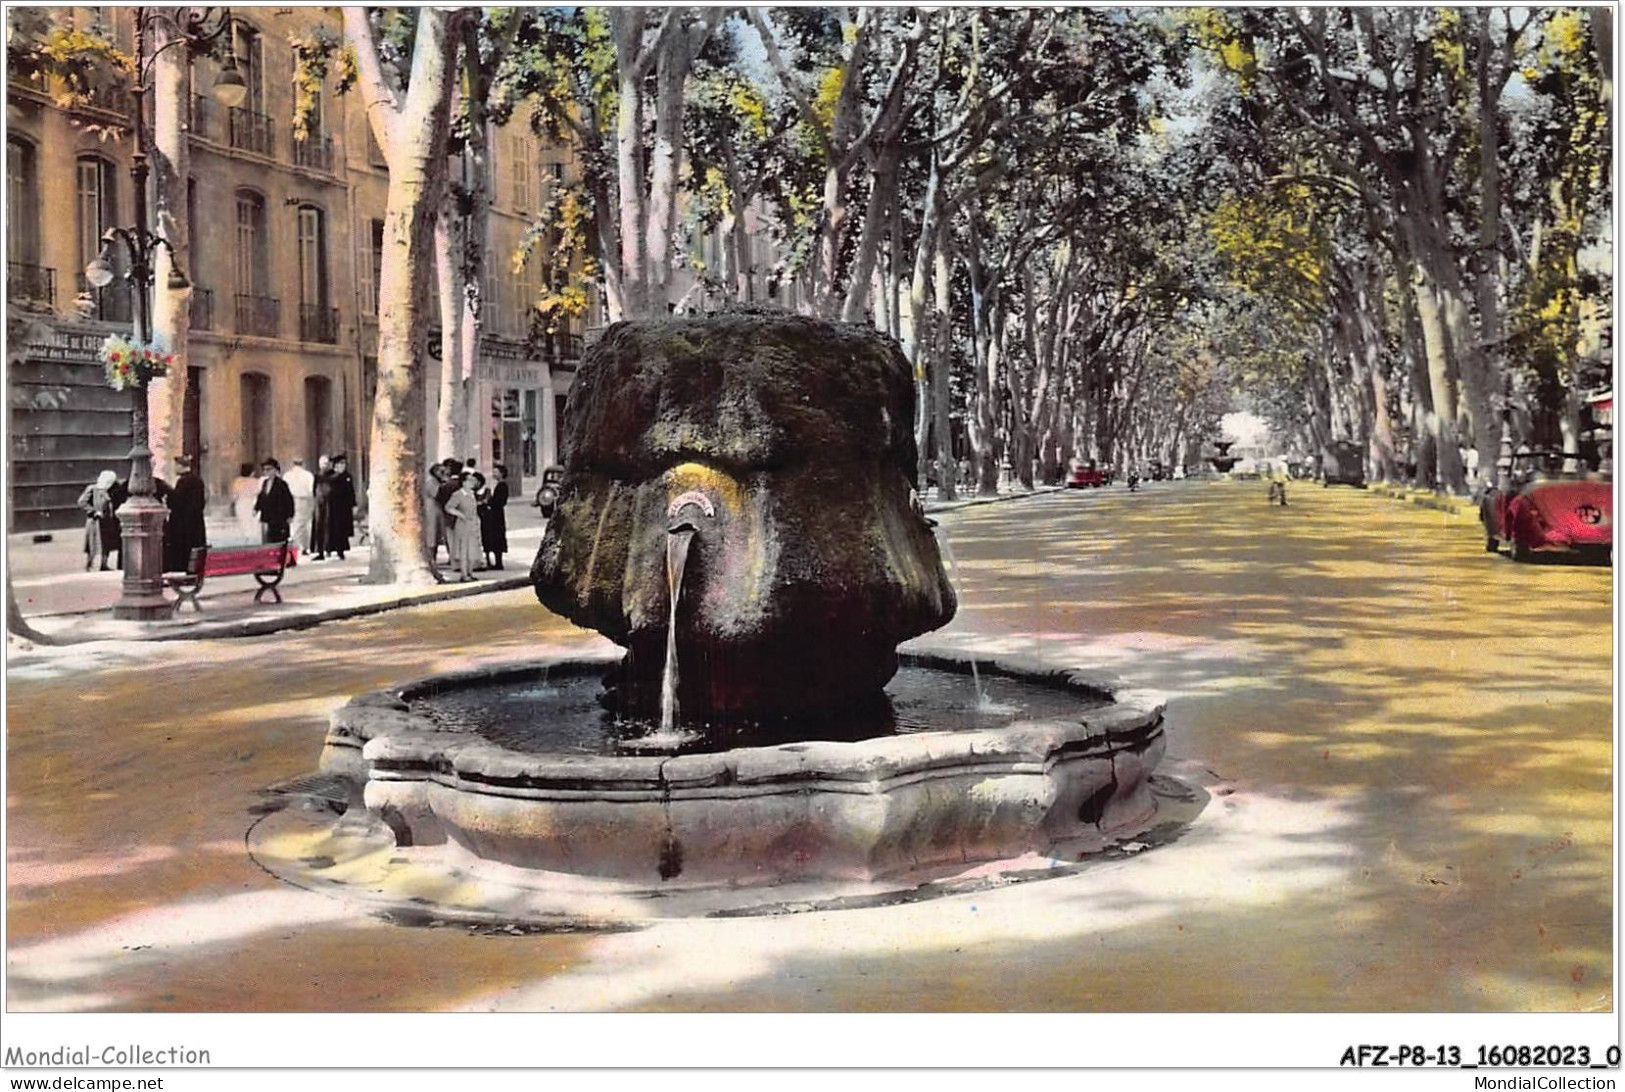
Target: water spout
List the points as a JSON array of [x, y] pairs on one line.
[[679, 536]]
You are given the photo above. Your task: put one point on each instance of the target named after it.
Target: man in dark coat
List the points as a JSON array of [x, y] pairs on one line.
[[323, 497], [340, 507], [184, 531], [274, 504]]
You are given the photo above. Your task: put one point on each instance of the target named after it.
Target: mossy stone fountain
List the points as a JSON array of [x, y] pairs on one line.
[[738, 515]]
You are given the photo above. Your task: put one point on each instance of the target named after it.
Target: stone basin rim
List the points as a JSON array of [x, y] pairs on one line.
[[400, 745]]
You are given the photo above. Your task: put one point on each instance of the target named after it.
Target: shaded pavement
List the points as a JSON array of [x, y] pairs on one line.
[[1407, 743]]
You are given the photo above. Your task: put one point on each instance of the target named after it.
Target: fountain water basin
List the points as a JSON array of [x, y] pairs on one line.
[[739, 514], [1060, 766]]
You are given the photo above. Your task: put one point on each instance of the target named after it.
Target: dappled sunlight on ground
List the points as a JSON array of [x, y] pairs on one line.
[[1247, 855], [1408, 744]]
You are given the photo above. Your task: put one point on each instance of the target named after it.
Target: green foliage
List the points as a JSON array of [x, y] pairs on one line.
[[75, 66], [312, 54], [559, 242]]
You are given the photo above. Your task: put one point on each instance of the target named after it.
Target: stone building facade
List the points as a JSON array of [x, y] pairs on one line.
[[285, 243]]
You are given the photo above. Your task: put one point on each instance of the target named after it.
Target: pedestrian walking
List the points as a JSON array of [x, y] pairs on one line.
[[340, 506], [464, 514], [435, 523], [245, 493], [321, 504], [494, 519], [1277, 476], [101, 525], [302, 484], [274, 504], [184, 531]]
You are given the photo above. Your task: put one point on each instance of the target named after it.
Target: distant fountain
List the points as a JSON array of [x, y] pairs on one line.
[[738, 513], [1223, 462]]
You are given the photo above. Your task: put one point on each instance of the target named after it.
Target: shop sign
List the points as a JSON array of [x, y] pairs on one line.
[[512, 375], [69, 347]]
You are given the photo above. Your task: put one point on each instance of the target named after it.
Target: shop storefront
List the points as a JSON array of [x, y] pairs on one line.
[[67, 424], [519, 398]]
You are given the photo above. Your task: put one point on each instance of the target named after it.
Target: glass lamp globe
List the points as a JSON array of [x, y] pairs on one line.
[[230, 89]]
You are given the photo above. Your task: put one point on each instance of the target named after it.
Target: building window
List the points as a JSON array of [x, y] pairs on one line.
[[250, 52], [372, 265], [312, 256], [520, 172], [28, 284], [253, 261], [97, 211], [22, 208], [318, 321], [529, 290], [257, 313], [98, 207]]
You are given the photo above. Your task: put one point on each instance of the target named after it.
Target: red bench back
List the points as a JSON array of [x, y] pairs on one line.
[[236, 560]]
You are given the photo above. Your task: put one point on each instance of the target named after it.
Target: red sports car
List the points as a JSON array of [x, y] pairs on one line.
[[1547, 512]]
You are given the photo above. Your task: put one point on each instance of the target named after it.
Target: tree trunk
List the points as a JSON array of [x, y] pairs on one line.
[[882, 192], [628, 25], [448, 250], [1441, 383], [676, 56], [1424, 438], [1486, 269], [942, 381], [915, 316], [476, 238], [412, 130], [171, 310]]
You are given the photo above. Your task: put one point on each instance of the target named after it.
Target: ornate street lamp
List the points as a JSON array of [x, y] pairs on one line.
[[142, 516]]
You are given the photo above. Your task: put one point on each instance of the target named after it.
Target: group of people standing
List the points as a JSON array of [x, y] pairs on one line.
[[466, 517], [183, 529], [314, 511]]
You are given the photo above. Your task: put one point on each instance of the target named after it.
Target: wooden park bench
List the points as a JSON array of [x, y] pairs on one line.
[[265, 563]]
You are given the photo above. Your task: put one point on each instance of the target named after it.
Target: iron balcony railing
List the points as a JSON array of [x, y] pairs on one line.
[[318, 323], [109, 97], [315, 152], [560, 347], [251, 132], [31, 286], [113, 303], [33, 79], [202, 309], [259, 316]]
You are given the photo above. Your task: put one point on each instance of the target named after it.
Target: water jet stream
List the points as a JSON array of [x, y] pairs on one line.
[[678, 539]]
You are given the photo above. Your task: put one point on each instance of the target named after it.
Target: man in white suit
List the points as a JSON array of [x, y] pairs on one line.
[[302, 484]]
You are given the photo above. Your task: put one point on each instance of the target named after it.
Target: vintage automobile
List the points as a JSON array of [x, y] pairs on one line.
[[547, 495], [1343, 463], [1085, 475], [1547, 511], [1159, 472]]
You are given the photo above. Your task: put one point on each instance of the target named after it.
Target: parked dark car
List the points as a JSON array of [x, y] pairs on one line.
[[1547, 511], [1343, 463], [547, 494], [1158, 472]]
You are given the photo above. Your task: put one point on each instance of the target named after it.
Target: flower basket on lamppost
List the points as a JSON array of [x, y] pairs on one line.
[[132, 364]]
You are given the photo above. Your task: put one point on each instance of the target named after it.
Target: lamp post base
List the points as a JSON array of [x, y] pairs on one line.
[[142, 599]]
